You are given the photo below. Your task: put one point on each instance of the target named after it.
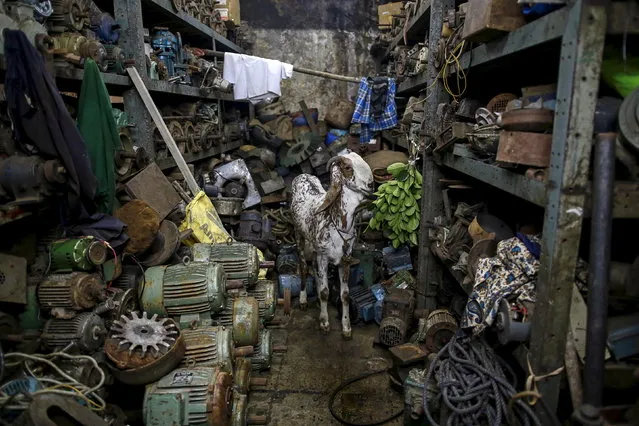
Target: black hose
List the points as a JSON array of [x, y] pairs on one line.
[[348, 383]]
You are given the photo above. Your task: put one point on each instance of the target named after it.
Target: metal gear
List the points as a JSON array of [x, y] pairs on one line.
[[144, 332], [297, 153]]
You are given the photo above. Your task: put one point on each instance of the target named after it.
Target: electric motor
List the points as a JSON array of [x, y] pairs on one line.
[[399, 305], [184, 289], [209, 346], [86, 332], [29, 180], [76, 291], [241, 314], [263, 351], [240, 260], [68, 15], [189, 396], [77, 254], [265, 292]]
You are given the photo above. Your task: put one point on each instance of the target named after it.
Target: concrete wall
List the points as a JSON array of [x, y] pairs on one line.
[[326, 35]]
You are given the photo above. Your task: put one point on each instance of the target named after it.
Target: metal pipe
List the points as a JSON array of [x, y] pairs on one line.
[[599, 274]]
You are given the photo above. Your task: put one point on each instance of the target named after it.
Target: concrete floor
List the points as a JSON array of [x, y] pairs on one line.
[[302, 379]]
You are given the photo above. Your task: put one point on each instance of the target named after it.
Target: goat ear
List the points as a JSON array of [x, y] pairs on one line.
[[331, 196]]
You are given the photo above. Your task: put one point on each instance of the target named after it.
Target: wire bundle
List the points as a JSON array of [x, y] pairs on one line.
[[474, 386], [67, 386]]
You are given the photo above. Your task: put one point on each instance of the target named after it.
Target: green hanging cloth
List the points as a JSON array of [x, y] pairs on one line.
[[98, 128]]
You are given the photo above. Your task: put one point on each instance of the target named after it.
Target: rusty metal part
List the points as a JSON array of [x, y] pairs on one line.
[[530, 149], [440, 328], [527, 120], [75, 291], [500, 102], [481, 249], [209, 347], [151, 186], [265, 292], [86, 331], [13, 278], [95, 50], [280, 348], [120, 302], [287, 301], [190, 396], [165, 244], [243, 351], [242, 314], [227, 206], [150, 372], [192, 140], [240, 409], [47, 409], [176, 130], [69, 15], [261, 359], [234, 284], [141, 334], [408, 353], [242, 375], [537, 174]]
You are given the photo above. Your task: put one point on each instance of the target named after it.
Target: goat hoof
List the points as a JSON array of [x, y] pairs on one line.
[[303, 306], [347, 335], [325, 328]]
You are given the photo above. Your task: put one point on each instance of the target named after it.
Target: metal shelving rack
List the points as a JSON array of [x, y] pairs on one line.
[[582, 26], [134, 15]]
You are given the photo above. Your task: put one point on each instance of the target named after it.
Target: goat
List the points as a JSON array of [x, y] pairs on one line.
[[325, 227]]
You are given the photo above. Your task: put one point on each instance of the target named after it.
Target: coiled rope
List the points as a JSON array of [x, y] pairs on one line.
[[475, 387]]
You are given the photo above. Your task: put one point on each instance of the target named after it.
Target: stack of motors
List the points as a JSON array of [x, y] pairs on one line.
[[84, 332], [189, 396], [399, 305], [240, 260], [143, 349], [182, 290], [209, 347]]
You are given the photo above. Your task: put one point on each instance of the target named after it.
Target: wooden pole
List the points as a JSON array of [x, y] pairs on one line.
[[323, 74]]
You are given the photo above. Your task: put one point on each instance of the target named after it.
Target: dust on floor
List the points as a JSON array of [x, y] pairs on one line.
[[302, 379]]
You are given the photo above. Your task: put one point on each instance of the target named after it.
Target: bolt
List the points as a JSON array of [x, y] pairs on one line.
[[256, 420], [259, 381], [280, 348]]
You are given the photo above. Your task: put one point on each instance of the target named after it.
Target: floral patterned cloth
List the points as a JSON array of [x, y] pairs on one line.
[[511, 274]]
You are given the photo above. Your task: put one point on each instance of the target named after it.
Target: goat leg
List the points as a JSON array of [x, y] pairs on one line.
[[344, 272], [321, 277], [303, 273]]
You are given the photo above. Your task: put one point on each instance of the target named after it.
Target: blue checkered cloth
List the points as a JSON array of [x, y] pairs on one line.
[[363, 116]]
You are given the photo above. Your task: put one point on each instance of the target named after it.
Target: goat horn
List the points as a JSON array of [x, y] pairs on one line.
[[330, 162]]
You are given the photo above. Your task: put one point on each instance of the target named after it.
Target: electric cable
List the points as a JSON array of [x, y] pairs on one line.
[[349, 382], [474, 386]]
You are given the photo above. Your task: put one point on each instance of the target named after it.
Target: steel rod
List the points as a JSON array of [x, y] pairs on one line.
[[599, 274]]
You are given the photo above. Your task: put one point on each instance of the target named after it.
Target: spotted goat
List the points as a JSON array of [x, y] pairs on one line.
[[325, 227]]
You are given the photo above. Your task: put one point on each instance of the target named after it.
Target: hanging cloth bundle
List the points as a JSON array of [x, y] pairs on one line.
[[97, 126]]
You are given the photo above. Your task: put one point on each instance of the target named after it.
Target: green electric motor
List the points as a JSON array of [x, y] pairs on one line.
[[189, 292], [199, 396], [263, 351], [209, 346], [77, 254], [265, 292], [240, 260]]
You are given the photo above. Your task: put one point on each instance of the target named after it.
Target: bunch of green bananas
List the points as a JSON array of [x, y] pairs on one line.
[[397, 206]]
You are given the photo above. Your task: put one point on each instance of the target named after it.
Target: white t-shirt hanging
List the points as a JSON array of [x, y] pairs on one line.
[[255, 78]]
